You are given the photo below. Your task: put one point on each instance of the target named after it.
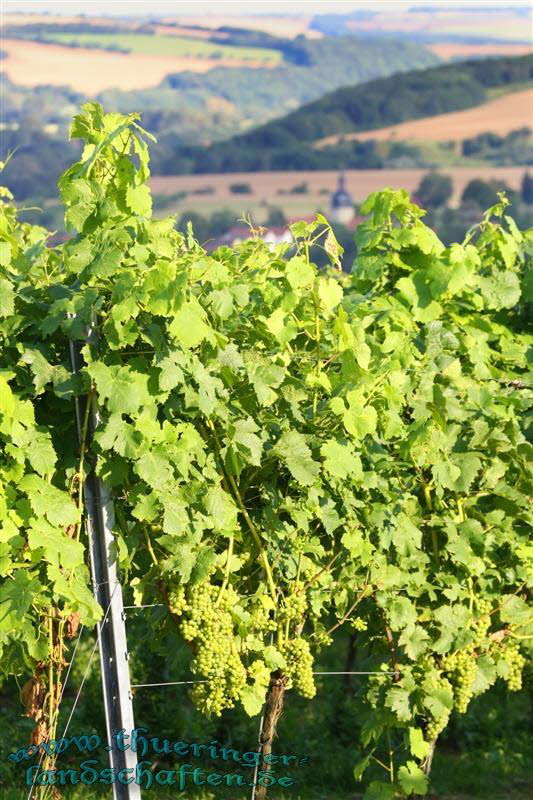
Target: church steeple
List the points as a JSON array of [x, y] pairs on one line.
[[342, 205]]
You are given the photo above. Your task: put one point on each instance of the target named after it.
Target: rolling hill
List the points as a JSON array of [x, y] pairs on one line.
[[186, 108], [406, 96], [288, 143], [500, 115]]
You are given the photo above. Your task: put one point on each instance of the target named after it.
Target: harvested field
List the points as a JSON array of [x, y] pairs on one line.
[[502, 115], [91, 70], [266, 186], [447, 50]]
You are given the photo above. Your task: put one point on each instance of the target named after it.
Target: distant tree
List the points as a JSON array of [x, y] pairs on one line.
[[485, 193], [240, 188], [300, 188], [434, 190], [526, 189], [276, 218], [452, 225], [221, 221], [207, 227], [484, 141]]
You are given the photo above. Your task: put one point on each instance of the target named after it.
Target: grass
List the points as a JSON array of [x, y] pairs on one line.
[[485, 755], [176, 46], [508, 88]]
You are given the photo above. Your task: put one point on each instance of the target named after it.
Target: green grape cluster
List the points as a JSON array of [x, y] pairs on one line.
[[295, 603], [260, 619], [510, 652], [322, 638], [299, 668], [481, 624], [463, 666], [208, 625], [177, 601], [436, 724], [359, 624]]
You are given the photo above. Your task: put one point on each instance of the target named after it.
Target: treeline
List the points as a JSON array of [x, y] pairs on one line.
[[186, 107], [329, 64], [35, 162], [295, 51], [33, 29], [299, 50], [514, 148], [287, 143], [189, 104]]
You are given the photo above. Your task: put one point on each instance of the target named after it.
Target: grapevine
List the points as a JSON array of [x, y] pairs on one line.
[[291, 451]]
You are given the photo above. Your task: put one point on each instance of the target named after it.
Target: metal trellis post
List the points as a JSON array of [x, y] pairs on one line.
[[112, 643]]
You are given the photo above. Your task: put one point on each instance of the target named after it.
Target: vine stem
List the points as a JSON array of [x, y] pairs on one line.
[[274, 707], [381, 764], [352, 608], [256, 537], [251, 526], [150, 548], [227, 570], [392, 648], [320, 572], [48, 760], [391, 756], [51, 692], [429, 760], [429, 505]]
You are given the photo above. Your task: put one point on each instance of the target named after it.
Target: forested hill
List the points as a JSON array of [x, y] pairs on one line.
[[189, 109], [280, 144], [310, 69], [387, 101]]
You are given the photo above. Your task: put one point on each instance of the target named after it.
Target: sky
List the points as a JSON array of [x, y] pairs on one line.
[[197, 7]]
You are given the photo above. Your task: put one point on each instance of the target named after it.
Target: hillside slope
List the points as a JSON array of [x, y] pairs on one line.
[[265, 93], [287, 143], [386, 101], [187, 109], [500, 115]]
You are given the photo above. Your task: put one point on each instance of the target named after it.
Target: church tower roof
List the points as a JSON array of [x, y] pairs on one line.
[[341, 198]]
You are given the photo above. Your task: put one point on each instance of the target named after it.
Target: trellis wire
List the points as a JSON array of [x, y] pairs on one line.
[[262, 719], [182, 683], [173, 683]]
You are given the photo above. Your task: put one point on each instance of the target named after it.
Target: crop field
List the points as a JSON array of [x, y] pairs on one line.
[[500, 115], [92, 70], [460, 50], [175, 46], [274, 188]]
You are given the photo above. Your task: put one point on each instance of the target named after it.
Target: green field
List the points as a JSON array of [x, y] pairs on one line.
[[177, 46], [498, 91]]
